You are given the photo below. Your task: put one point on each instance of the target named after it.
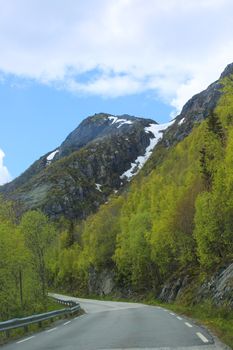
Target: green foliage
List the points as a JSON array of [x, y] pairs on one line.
[[214, 125], [224, 109], [214, 215], [157, 219], [20, 287], [99, 234], [38, 233], [93, 248]]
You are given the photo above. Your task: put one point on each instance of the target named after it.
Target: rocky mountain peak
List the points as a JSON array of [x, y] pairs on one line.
[[96, 159], [99, 126]]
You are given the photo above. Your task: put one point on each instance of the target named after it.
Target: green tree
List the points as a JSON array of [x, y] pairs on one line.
[[39, 233]]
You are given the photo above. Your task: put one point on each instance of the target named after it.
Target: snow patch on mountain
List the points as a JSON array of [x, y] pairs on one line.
[[116, 120], [181, 121], [51, 156], [98, 187], [156, 130]]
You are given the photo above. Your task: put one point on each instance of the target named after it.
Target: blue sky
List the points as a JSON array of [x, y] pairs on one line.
[[63, 60]]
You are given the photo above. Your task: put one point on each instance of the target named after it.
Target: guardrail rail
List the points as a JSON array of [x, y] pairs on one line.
[[7, 326]]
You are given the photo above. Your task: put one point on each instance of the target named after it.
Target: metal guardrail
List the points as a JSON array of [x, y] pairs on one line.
[[26, 321]]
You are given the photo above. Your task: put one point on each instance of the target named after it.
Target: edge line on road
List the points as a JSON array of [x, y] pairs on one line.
[[202, 337], [25, 339], [188, 324], [51, 330]]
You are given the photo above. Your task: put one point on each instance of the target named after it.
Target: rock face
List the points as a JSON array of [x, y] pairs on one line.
[[172, 289], [218, 288], [101, 283], [74, 179]]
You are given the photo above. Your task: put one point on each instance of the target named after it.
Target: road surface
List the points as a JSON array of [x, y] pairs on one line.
[[115, 325]]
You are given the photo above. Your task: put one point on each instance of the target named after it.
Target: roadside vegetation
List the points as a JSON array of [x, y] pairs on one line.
[[24, 249]]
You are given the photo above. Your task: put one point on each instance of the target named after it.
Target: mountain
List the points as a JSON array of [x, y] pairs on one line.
[[101, 155], [97, 158]]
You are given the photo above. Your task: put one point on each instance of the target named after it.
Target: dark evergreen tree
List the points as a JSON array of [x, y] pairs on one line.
[[206, 173], [214, 125]]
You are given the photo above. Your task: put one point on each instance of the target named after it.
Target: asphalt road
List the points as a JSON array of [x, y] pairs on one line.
[[115, 325]]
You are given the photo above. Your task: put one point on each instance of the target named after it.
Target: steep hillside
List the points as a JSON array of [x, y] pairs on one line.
[[193, 113], [97, 158], [172, 229]]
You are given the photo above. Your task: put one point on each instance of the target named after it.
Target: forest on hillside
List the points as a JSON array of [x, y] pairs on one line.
[[179, 217]]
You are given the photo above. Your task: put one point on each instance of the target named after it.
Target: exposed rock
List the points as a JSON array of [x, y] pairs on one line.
[[101, 283], [218, 288], [194, 111], [172, 289], [227, 71]]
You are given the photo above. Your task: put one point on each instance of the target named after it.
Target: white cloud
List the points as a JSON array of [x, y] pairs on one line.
[[172, 47], [4, 173]]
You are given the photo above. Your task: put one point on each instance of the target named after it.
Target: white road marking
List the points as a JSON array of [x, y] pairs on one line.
[[171, 313], [66, 323], [202, 337], [26, 339], [188, 324], [179, 318], [51, 330]]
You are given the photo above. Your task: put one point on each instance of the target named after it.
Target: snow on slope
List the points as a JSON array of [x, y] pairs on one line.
[[156, 130], [98, 187], [181, 121], [51, 156], [121, 122]]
